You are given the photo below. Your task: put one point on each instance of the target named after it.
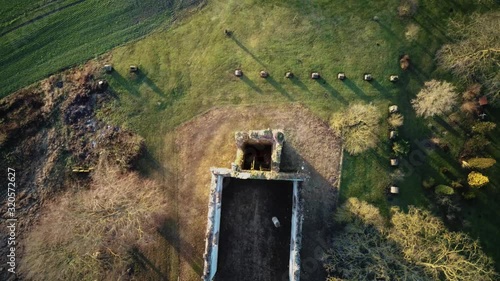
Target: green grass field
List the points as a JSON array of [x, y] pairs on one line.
[[189, 68], [41, 37]]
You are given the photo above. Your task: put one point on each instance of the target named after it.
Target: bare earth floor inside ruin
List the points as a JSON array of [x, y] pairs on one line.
[[250, 246]]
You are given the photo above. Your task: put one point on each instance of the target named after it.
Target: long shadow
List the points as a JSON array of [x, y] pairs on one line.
[[144, 262], [169, 231], [458, 5], [296, 81], [442, 34], [278, 87], [422, 76], [247, 50], [353, 87], [394, 36], [379, 88], [445, 125], [319, 195], [334, 93], [147, 164], [251, 84], [387, 29], [125, 83], [438, 37], [151, 85], [41, 17]]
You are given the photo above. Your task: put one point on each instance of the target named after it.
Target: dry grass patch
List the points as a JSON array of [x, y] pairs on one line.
[[88, 234], [411, 32]]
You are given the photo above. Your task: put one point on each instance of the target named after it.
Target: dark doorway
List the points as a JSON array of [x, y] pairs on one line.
[[257, 157]]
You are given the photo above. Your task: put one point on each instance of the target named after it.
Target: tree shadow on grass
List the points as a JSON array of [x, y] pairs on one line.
[[251, 84], [421, 75], [353, 87], [147, 164], [136, 79], [296, 81], [125, 83], [383, 90], [169, 231], [438, 36], [446, 126], [152, 85], [142, 261], [334, 93], [244, 48], [279, 88], [428, 22], [395, 37], [388, 30]]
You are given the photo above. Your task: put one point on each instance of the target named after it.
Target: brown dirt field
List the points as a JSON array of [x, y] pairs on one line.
[[208, 141]]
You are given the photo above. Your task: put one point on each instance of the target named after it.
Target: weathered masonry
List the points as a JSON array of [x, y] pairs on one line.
[[256, 233]]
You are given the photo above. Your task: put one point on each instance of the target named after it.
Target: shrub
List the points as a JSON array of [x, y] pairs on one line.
[[474, 145], [472, 92], [435, 98], [401, 148], [476, 179], [456, 184], [412, 31], [470, 108], [455, 118], [429, 183], [404, 62], [395, 120], [407, 8], [444, 190], [358, 125], [470, 194], [483, 127], [480, 163]]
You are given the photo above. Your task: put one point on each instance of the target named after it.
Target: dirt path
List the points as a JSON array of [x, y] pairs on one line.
[[208, 141]]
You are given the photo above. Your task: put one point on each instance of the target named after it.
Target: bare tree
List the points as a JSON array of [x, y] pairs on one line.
[[407, 8], [425, 241], [436, 98], [475, 56], [362, 252], [414, 246], [89, 232], [358, 126]]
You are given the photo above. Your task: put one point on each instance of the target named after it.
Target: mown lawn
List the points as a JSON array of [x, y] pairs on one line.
[[41, 37]]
